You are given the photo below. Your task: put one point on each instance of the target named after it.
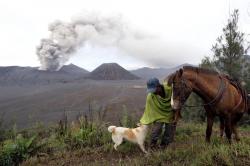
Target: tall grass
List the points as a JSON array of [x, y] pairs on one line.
[[88, 130], [87, 139], [190, 148], [127, 119]]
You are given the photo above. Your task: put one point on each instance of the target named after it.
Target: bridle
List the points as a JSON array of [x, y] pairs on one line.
[[215, 100], [184, 86]]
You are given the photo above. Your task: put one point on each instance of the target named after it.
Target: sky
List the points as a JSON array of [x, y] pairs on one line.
[[171, 32]]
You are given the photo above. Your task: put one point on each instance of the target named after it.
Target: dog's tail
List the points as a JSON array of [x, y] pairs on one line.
[[111, 129]]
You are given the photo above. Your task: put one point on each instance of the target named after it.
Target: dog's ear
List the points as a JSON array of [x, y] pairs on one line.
[[138, 124]]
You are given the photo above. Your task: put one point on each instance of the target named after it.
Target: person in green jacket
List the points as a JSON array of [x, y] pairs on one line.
[[159, 112]]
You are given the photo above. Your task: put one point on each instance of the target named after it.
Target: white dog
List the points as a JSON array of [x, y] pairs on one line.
[[135, 135]]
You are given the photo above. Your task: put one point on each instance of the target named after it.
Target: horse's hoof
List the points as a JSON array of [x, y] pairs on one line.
[[237, 139], [208, 141]]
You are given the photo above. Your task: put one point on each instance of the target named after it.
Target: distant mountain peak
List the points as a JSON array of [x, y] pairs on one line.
[[71, 65], [111, 71], [15, 75], [71, 68], [111, 63], [161, 73]]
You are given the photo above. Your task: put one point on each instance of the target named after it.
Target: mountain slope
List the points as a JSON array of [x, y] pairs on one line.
[[73, 69], [111, 71], [15, 75], [146, 72]]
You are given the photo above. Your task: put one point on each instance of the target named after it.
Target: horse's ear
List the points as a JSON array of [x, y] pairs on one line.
[[180, 72], [170, 78]]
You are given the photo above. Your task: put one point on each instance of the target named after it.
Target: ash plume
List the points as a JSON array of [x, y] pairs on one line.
[[96, 30], [67, 37]]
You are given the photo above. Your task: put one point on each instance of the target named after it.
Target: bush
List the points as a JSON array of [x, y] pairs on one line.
[[15, 151], [127, 119], [86, 133]]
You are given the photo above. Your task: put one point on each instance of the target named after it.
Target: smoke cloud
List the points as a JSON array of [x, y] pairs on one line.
[[67, 37], [92, 28]]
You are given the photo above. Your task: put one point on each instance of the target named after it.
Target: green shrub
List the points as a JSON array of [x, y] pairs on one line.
[[17, 150], [127, 119], [92, 136], [9, 133]]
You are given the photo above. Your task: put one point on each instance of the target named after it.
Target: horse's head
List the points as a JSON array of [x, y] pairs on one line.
[[181, 89]]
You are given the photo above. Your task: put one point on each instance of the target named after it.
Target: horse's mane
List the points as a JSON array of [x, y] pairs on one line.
[[170, 77], [200, 70]]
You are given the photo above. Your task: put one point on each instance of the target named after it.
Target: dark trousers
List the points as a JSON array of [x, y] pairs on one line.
[[168, 134]]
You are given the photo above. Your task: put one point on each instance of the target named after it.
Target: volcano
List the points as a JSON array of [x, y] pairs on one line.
[[16, 75], [73, 69], [111, 71]]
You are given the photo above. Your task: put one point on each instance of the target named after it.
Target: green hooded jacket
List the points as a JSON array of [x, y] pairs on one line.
[[158, 109]]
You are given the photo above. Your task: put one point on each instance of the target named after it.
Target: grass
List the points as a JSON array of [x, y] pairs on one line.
[[87, 142], [189, 148]]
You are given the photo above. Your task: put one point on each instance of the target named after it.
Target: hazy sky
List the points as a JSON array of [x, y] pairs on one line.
[[177, 31]]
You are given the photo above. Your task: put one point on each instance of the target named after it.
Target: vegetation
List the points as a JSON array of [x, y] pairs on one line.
[[87, 142], [16, 150], [229, 52], [229, 55]]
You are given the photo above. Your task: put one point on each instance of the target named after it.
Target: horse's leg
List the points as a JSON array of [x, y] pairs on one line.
[[235, 131], [210, 121], [222, 126], [235, 119], [228, 128]]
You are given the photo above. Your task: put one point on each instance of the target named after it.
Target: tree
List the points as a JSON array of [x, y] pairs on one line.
[[230, 54], [207, 63], [229, 51]]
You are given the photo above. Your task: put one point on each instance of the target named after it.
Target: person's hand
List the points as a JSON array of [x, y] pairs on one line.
[[177, 115]]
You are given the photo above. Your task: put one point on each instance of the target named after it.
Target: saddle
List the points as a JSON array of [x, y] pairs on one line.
[[245, 96]]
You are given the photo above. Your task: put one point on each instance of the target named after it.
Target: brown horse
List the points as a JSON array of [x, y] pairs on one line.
[[222, 97]]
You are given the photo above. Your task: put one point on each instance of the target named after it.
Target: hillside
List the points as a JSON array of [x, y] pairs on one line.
[[96, 148], [15, 75], [26, 105], [161, 73], [29, 95], [111, 71], [73, 69]]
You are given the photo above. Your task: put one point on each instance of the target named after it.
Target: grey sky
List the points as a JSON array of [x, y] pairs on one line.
[[177, 31]]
